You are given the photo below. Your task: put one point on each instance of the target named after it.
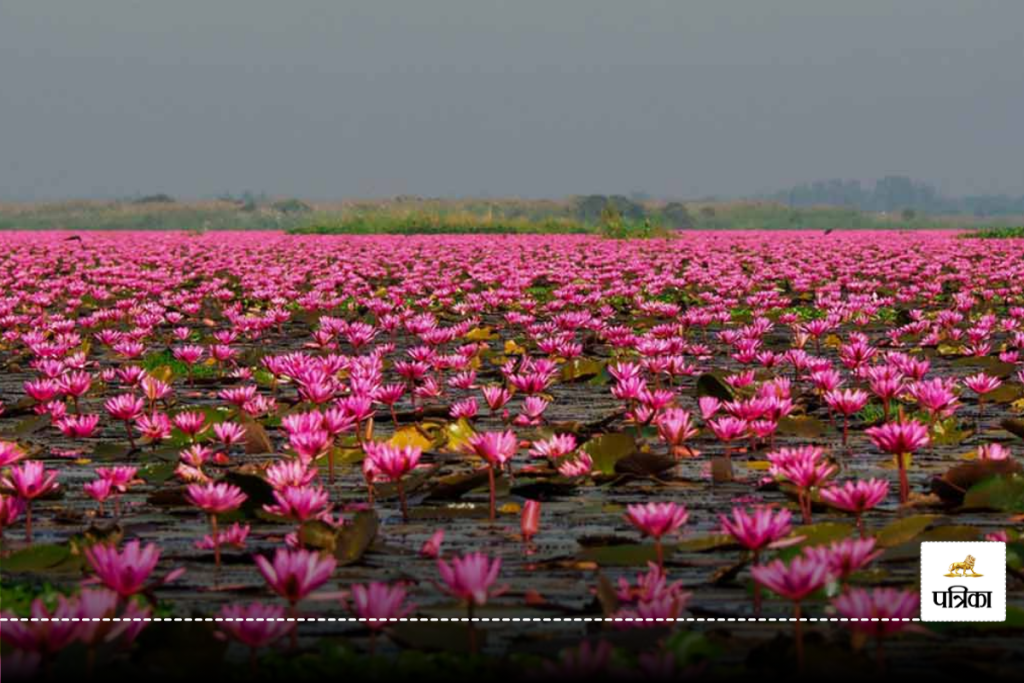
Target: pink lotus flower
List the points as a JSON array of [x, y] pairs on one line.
[[294, 574], [993, 451], [804, 575], [234, 536], [879, 612], [299, 503], [657, 520], [394, 463], [937, 396], [496, 397], [804, 468], [45, 632], [856, 496], [215, 499], [432, 546], [78, 426], [154, 427], [579, 466], [466, 409], [192, 423], [982, 384], [846, 556], [10, 509], [29, 481], [471, 578], [901, 439], [530, 520], [846, 402], [497, 449], [126, 572], [553, 448], [378, 603], [675, 426], [188, 354], [728, 429], [10, 453], [125, 407], [759, 530], [285, 473], [255, 626], [99, 490]]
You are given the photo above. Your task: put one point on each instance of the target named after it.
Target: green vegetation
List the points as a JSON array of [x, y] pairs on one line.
[[615, 216], [157, 359], [162, 213], [895, 193], [422, 223], [997, 233]]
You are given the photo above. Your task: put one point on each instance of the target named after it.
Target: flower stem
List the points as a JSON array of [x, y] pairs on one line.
[[798, 637], [490, 476]]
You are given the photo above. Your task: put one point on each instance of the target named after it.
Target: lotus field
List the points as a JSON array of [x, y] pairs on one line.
[[545, 454]]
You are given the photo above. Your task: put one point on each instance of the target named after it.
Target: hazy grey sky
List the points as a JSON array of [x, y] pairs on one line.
[[345, 98]]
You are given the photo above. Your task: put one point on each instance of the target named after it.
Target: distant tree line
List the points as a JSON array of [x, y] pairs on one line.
[[599, 209], [896, 193]]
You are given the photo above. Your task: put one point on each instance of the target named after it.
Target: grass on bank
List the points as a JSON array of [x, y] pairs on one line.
[[613, 216], [997, 233]]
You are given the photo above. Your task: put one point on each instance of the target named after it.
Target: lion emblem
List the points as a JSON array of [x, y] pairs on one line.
[[961, 568]]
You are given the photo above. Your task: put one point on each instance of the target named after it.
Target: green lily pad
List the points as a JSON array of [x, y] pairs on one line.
[[903, 530], [608, 449], [1004, 493], [712, 384], [36, 558]]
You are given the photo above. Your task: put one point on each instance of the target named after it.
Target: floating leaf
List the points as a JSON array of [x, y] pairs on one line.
[[356, 537], [411, 482], [157, 472], [513, 349], [948, 433], [1004, 393], [608, 449], [36, 558], [110, 450], [645, 463], [456, 485], [31, 425], [711, 384], [989, 364], [954, 484], [317, 534], [257, 440], [903, 530], [705, 543], [805, 427], [622, 555], [823, 533], [410, 436], [581, 368], [458, 434], [168, 497], [480, 334], [1004, 493], [258, 491], [1013, 425], [164, 373]]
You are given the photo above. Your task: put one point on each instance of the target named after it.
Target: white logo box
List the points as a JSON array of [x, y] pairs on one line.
[[964, 597]]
